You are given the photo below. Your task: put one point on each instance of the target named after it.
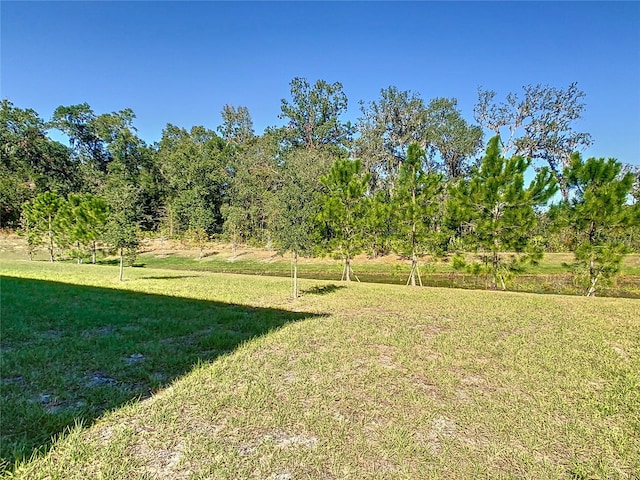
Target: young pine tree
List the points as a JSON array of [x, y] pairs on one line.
[[597, 209], [496, 209], [416, 202], [38, 219], [344, 208]]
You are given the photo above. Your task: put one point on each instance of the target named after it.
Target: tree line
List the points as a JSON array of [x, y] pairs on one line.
[[410, 176]]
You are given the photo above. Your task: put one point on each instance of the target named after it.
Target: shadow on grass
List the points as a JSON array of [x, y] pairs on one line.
[[167, 277], [70, 353], [114, 262], [322, 290]]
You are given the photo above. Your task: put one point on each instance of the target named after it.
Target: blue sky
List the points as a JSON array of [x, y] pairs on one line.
[[180, 62]]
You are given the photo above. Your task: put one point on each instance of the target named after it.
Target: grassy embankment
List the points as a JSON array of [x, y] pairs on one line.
[[552, 275], [369, 381]]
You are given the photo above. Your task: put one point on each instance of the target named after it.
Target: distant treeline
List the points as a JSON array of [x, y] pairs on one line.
[[412, 177]]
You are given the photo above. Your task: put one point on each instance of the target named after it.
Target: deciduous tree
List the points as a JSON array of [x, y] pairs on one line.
[[30, 162], [237, 125], [123, 197], [249, 207], [313, 115], [297, 203], [539, 125], [387, 128], [450, 138], [193, 166]]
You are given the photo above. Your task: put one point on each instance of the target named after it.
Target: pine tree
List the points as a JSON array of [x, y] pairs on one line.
[[497, 210], [38, 219], [82, 219], [598, 208], [415, 205], [344, 208]]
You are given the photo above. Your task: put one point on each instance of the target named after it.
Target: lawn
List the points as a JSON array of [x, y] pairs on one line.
[[553, 275], [200, 375]]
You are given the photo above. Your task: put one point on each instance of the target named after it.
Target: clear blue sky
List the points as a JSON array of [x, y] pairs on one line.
[[180, 62]]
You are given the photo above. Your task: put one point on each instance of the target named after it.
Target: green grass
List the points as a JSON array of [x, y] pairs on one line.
[[365, 382], [552, 275], [72, 352]]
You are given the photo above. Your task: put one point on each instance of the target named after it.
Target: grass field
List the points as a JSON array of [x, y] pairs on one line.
[[187, 374], [553, 275]]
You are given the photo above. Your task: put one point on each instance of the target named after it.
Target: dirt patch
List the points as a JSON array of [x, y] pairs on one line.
[[161, 463], [98, 332], [441, 428], [135, 358], [12, 380], [99, 379], [50, 334], [280, 440]]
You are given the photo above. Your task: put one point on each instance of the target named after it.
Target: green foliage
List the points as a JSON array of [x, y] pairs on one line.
[[297, 201], [82, 220], [79, 123], [122, 228], [379, 230], [251, 195], [597, 210], [297, 204], [313, 116], [416, 201], [30, 162], [195, 176], [400, 118], [344, 209], [237, 125], [539, 125], [39, 215], [495, 209], [387, 128], [450, 137]]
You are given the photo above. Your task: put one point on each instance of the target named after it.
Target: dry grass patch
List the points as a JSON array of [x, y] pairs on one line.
[[389, 382]]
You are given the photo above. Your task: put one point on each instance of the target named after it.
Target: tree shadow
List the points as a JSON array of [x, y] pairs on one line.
[[71, 353], [322, 290], [167, 277]]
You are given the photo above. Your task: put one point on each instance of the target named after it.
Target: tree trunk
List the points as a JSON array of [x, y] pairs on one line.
[[562, 184], [93, 252], [414, 258], [170, 223], [494, 276], [294, 291], [593, 279], [414, 270], [50, 239], [347, 268], [121, 264]]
